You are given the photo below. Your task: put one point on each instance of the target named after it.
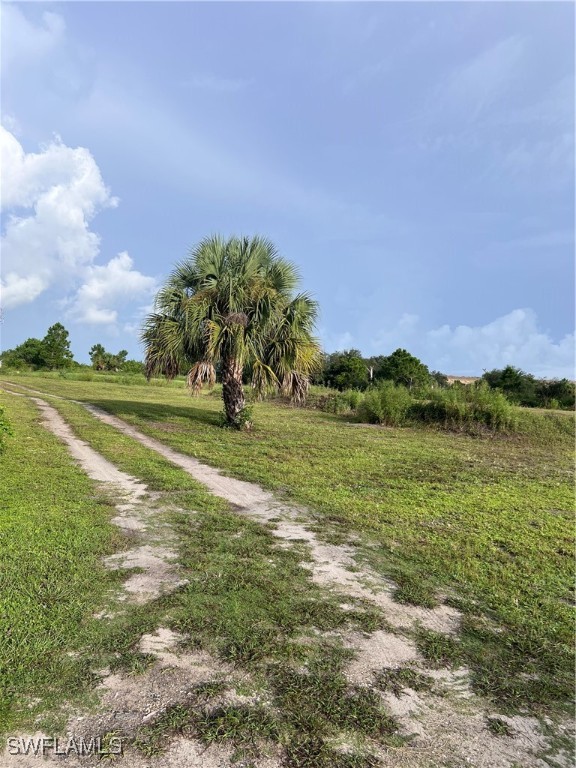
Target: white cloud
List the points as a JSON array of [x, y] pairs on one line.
[[22, 290], [23, 41], [61, 189], [113, 284], [48, 243], [513, 339]]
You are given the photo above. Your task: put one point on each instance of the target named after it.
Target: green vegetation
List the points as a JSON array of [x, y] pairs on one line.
[[403, 368], [465, 408], [349, 370], [249, 602], [475, 409], [488, 521], [397, 679], [499, 727], [51, 352], [53, 530], [5, 429], [524, 389], [232, 304], [344, 370], [385, 404]]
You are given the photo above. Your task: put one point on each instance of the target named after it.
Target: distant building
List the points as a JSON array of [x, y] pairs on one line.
[[463, 379]]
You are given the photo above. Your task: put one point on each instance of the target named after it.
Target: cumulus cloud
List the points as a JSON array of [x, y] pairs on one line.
[[52, 196], [55, 194], [115, 283], [513, 339]]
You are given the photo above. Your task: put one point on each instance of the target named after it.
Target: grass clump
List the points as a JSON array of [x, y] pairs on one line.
[[396, 680], [385, 404], [312, 751], [248, 599], [318, 705], [5, 429], [241, 724], [499, 727], [414, 590], [440, 650]]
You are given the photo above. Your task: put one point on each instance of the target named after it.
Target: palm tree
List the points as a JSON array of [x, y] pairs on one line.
[[231, 303]]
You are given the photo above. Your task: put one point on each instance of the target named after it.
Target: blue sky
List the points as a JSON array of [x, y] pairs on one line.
[[416, 160]]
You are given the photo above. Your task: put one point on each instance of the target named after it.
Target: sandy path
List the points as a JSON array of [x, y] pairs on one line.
[[447, 730]]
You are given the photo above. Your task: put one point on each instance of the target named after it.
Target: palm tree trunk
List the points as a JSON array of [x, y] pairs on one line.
[[232, 390]]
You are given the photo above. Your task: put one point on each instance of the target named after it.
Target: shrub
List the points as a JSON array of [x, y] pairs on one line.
[[465, 408], [388, 403], [332, 401], [335, 402], [353, 397]]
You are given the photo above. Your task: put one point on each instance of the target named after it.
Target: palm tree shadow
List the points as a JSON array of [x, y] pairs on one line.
[[157, 411]]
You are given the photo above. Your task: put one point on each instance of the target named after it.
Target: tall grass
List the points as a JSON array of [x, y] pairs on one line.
[[467, 407], [464, 409], [386, 404]]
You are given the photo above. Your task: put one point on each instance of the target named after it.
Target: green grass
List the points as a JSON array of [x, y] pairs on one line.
[[486, 520], [53, 529], [249, 602]]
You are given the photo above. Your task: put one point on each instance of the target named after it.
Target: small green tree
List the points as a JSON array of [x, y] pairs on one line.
[[56, 347], [107, 361], [403, 368], [439, 379], [518, 386], [29, 354], [556, 391], [346, 370]]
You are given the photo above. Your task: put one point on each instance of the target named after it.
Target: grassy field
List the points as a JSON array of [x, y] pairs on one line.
[[248, 602], [487, 521], [53, 529]]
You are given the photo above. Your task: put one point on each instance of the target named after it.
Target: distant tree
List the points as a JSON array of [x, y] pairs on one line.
[[518, 386], [56, 347], [403, 368], [132, 366], [346, 370], [97, 356], [439, 379], [107, 361], [29, 354], [318, 375], [556, 392]]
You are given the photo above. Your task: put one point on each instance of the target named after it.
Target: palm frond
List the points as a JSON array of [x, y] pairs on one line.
[[201, 373]]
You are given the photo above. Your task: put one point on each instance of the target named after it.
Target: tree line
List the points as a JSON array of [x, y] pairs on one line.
[[53, 353], [349, 370], [342, 370]]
